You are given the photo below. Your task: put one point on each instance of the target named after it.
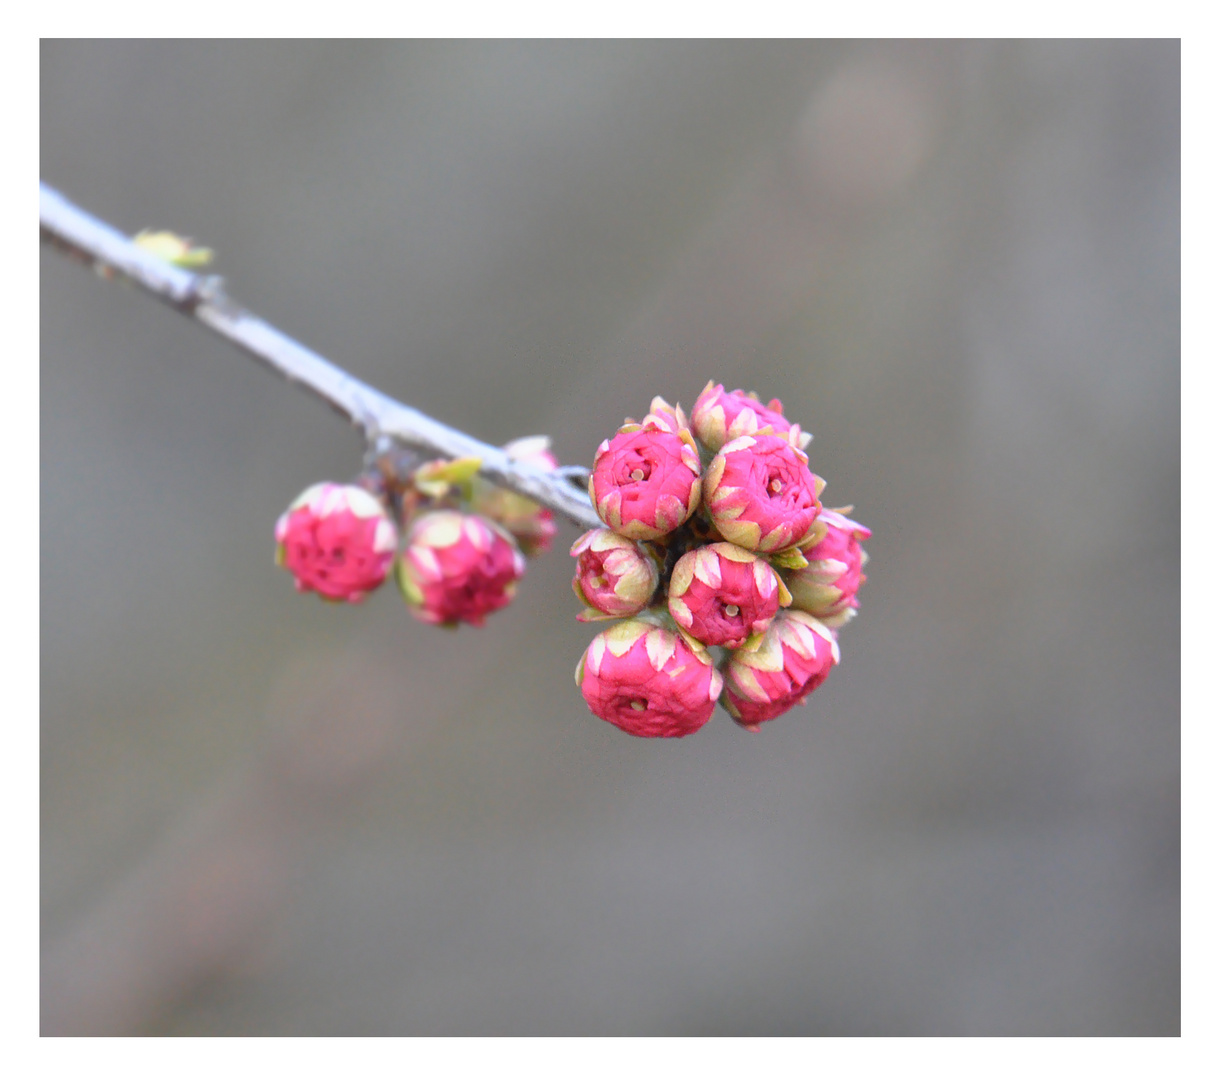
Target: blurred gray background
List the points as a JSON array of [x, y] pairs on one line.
[[956, 263]]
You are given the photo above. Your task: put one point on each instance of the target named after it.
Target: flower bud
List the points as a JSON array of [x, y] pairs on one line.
[[719, 417], [722, 595], [532, 450], [457, 568], [646, 482], [524, 519], [760, 493], [648, 680], [337, 540], [613, 576], [664, 416], [794, 657], [827, 586]]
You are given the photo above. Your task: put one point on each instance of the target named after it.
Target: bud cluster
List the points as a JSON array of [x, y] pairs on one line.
[[732, 579], [465, 541]]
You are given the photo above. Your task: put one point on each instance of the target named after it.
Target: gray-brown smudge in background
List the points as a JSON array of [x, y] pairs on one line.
[[956, 263]]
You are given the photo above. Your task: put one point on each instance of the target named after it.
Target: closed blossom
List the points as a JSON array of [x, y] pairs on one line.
[[529, 523], [648, 681], [646, 482], [613, 577], [722, 594], [458, 568], [720, 416], [760, 493], [793, 659], [337, 540], [827, 586]]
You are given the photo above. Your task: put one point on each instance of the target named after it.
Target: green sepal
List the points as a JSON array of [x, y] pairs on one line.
[[789, 559], [435, 478], [408, 588], [753, 643], [590, 614]]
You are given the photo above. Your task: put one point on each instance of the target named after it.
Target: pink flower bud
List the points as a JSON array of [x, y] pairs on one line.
[[722, 595], [795, 656], [827, 586], [614, 576], [718, 417], [646, 482], [458, 567], [532, 450], [337, 540], [665, 417], [647, 680], [524, 519], [761, 494]]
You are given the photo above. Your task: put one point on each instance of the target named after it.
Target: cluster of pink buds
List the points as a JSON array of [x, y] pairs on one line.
[[465, 542], [731, 578]]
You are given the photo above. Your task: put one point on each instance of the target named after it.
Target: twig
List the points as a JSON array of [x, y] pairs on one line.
[[203, 299]]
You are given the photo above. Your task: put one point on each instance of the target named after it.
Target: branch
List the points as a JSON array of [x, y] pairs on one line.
[[203, 299]]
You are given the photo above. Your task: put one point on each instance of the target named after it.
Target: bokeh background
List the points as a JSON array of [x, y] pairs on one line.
[[956, 263]]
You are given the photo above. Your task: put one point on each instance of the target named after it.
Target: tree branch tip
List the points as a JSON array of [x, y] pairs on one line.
[[203, 298]]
